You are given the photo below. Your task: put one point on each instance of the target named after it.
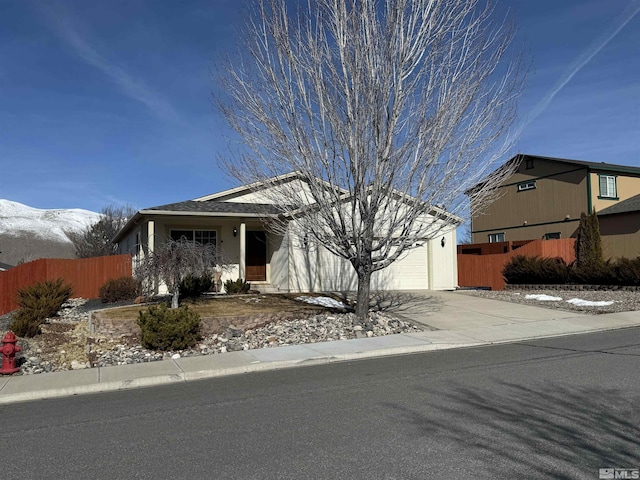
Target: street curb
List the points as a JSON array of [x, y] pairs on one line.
[[188, 376]]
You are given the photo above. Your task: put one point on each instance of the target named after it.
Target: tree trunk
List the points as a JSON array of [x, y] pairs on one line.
[[364, 287], [175, 297]]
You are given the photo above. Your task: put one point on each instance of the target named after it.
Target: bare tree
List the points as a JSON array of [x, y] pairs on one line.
[[388, 110], [173, 261], [97, 239]]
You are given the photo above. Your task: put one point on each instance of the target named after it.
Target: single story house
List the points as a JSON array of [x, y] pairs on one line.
[[235, 221]]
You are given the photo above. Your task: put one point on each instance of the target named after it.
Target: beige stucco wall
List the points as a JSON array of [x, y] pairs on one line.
[[626, 186]]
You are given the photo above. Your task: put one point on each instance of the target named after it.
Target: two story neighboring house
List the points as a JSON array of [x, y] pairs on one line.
[[545, 197]]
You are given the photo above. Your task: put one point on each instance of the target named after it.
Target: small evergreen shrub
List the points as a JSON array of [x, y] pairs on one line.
[[541, 270], [238, 286], [169, 329], [123, 288], [627, 271], [192, 286], [598, 273], [36, 303]]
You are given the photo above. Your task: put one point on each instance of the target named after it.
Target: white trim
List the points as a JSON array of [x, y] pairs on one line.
[[248, 188]]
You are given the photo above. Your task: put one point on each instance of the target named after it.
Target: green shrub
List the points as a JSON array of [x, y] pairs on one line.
[[192, 286], [169, 329], [599, 273], [238, 286], [36, 303], [123, 288], [627, 271], [522, 269]]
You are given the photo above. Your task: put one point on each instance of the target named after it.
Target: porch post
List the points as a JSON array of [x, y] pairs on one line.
[[151, 235], [243, 250]]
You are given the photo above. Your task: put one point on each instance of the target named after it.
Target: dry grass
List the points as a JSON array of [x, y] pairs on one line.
[[224, 306]]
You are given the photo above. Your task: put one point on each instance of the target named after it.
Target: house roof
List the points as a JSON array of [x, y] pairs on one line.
[[591, 165], [5, 266], [192, 206], [597, 166], [214, 205], [629, 205]]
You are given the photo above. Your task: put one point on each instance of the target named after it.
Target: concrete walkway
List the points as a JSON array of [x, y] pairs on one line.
[[451, 320]]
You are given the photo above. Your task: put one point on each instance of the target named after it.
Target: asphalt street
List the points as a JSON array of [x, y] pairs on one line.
[[554, 408]]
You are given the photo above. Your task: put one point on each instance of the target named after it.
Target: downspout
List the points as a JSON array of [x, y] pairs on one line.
[[589, 196]]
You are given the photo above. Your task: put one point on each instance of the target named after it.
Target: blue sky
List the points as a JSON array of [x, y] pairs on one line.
[[109, 102]]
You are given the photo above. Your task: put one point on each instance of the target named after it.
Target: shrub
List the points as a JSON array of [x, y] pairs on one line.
[[123, 288], [599, 273], [169, 329], [237, 286], [627, 271], [36, 303], [523, 269], [192, 286]]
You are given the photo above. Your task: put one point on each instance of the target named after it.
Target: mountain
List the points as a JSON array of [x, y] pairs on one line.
[[28, 233]]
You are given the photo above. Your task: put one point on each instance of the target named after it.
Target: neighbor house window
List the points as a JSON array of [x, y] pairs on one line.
[[496, 237], [204, 237], [607, 186], [527, 185], [552, 236]]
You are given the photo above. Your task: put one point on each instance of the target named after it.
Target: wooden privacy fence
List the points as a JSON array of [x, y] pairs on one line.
[[86, 275], [479, 270]]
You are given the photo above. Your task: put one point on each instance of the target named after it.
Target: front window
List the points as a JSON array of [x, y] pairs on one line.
[[496, 237], [204, 237], [607, 186]]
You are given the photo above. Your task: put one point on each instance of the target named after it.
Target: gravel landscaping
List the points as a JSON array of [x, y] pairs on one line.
[[66, 345], [623, 301]]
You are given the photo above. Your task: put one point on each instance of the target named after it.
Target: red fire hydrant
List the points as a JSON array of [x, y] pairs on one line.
[[9, 350]]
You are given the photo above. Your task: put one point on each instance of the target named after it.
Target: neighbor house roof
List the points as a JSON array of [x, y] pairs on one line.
[[597, 166], [5, 266], [591, 165], [629, 205]]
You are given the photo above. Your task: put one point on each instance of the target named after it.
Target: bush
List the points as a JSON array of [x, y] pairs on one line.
[[192, 286], [169, 329], [627, 271], [238, 286], [36, 303], [123, 288], [522, 269], [599, 273]]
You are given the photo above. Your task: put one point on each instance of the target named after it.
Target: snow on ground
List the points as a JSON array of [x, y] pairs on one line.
[[322, 301], [586, 303], [543, 298], [575, 301]]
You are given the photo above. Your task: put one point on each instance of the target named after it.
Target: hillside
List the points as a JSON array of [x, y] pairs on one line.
[[28, 233]]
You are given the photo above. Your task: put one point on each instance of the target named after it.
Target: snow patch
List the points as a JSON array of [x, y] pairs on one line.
[[586, 303], [543, 298], [322, 301]]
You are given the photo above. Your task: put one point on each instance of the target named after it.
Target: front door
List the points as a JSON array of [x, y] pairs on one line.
[[256, 256]]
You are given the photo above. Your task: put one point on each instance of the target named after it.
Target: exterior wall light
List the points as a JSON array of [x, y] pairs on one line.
[[235, 232], [443, 242]]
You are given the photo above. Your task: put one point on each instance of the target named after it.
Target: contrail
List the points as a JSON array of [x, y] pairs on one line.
[[128, 84], [632, 10]]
